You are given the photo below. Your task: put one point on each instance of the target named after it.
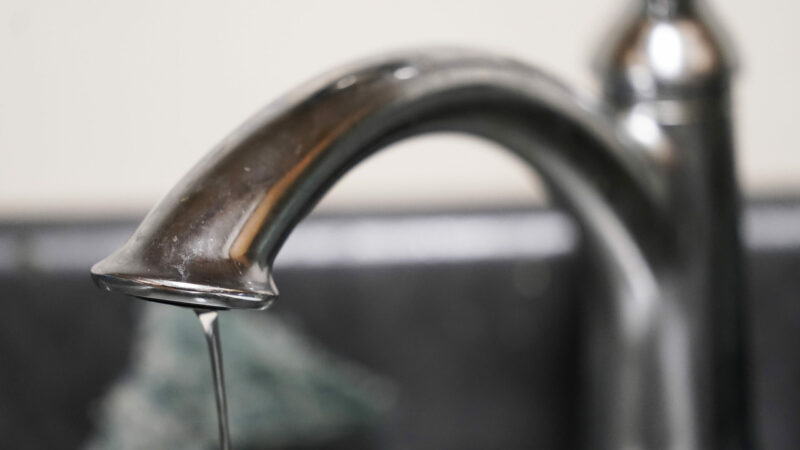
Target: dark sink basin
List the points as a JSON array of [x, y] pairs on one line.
[[474, 314]]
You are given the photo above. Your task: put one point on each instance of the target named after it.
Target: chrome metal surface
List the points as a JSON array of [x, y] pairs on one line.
[[669, 8], [664, 51], [648, 175], [211, 241]]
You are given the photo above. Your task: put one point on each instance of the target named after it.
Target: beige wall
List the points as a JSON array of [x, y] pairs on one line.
[[103, 105]]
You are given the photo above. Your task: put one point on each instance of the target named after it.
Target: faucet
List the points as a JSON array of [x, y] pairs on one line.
[[647, 171]]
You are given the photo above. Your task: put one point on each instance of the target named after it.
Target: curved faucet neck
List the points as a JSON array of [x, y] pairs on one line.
[[214, 237]]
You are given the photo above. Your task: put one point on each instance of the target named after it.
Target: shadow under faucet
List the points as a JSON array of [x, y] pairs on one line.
[[648, 173]]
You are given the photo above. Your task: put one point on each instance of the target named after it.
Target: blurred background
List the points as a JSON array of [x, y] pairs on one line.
[[106, 104], [418, 340]]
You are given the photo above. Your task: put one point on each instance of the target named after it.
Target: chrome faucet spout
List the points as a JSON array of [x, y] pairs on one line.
[[212, 240], [664, 365]]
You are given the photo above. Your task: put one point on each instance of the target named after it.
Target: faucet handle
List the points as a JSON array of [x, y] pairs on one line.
[[667, 49]]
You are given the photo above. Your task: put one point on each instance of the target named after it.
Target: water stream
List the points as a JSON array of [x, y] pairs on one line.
[[209, 321]]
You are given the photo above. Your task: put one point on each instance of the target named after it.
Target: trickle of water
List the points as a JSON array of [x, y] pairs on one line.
[[209, 321]]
